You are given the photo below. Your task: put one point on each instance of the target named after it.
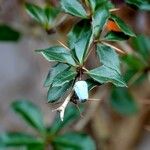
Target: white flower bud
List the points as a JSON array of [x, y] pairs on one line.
[[81, 89]]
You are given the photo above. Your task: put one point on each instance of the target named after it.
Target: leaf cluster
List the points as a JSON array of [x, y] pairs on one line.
[[46, 136], [84, 37]]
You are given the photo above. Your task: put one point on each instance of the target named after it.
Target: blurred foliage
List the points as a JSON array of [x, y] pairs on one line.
[[7, 33], [86, 35], [122, 102], [137, 64], [45, 16], [142, 5], [45, 136]]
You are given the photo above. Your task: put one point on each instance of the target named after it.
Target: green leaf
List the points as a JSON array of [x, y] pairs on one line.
[[74, 141], [122, 25], [57, 53], [65, 77], [74, 8], [99, 19], [116, 36], [104, 74], [133, 62], [36, 147], [8, 34], [79, 30], [53, 72], [30, 113], [92, 83], [81, 47], [36, 12], [45, 16], [92, 4], [55, 93], [143, 5], [71, 114], [106, 3], [18, 139], [51, 14], [142, 45], [108, 57], [122, 102]]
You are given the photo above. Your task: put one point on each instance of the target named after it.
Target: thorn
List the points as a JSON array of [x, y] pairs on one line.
[[116, 48], [63, 45], [94, 99], [114, 9]]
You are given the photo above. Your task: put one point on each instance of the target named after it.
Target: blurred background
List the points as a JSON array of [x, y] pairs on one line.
[[22, 73]]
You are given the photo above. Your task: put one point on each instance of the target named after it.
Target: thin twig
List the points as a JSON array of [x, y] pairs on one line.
[[114, 47]]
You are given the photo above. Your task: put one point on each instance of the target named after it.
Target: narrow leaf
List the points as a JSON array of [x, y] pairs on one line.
[[92, 83], [99, 19], [65, 77], [108, 57], [57, 53], [81, 47], [92, 4], [74, 8], [53, 72], [30, 113], [79, 30], [116, 36], [143, 5], [105, 3], [55, 93], [51, 13], [36, 147], [74, 141], [122, 25], [104, 74], [35, 12], [18, 139]]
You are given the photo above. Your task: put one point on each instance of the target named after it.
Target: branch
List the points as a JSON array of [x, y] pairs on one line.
[[61, 109]]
